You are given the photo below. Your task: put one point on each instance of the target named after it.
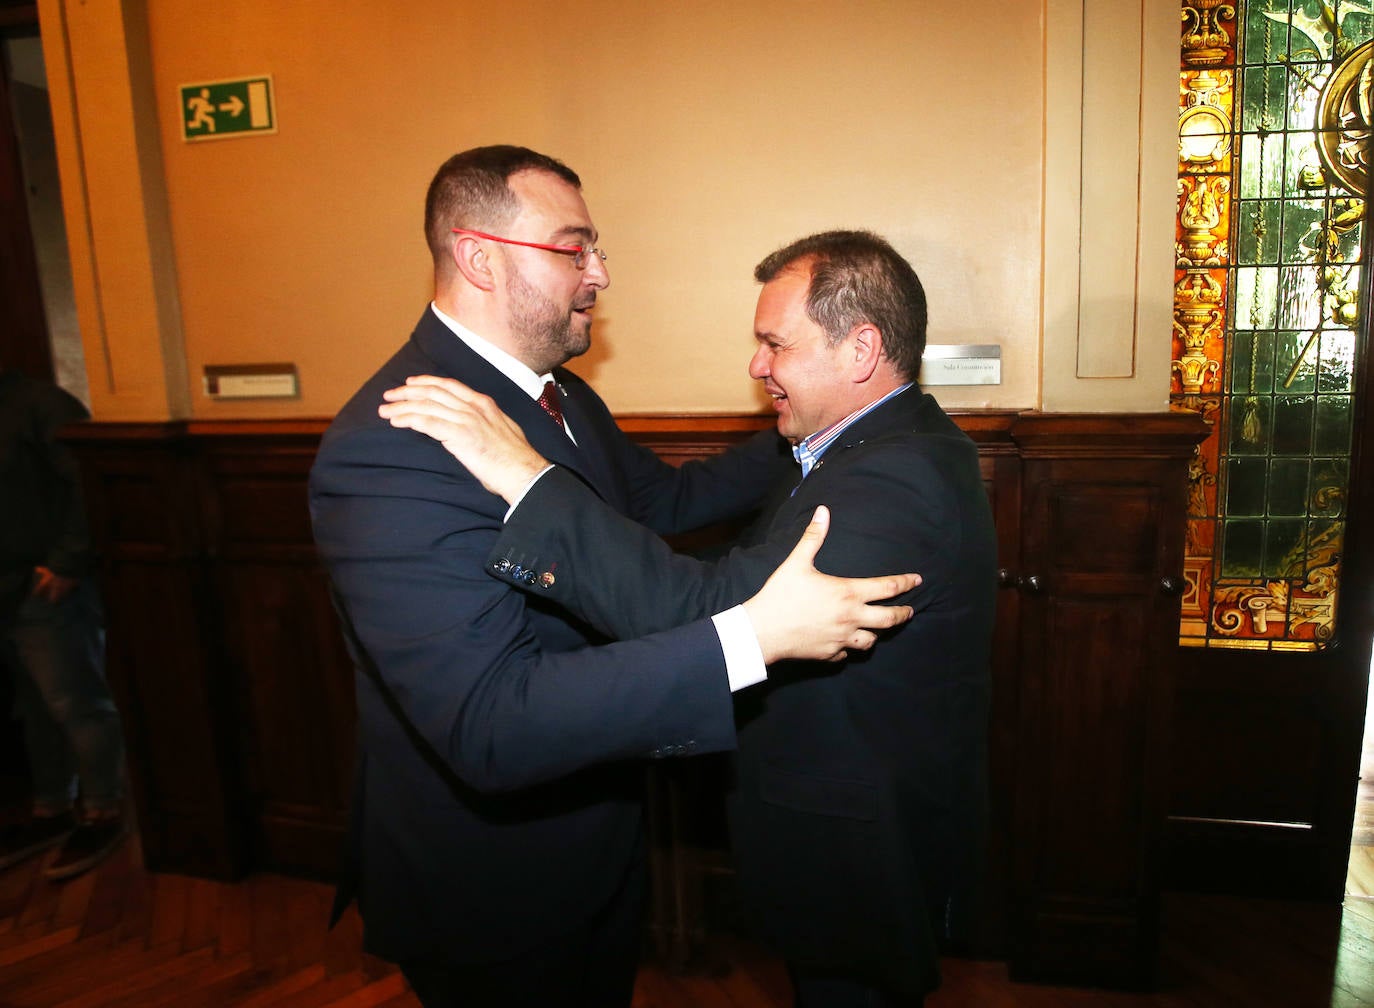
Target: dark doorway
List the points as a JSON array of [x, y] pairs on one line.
[[41, 336]]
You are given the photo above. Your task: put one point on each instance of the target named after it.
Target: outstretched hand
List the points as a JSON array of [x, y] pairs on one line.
[[802, 613], [471, 427]]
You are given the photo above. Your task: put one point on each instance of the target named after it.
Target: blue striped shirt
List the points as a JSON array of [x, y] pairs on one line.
[[809, 450]]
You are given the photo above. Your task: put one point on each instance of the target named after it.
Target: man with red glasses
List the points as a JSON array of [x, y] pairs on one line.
[[495, 842]]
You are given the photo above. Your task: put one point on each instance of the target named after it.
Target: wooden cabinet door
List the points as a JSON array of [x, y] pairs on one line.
[[1101, 564]]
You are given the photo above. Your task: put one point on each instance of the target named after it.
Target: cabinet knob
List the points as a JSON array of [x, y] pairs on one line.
[[1006, 579], [1031, 583], [1171, 585]]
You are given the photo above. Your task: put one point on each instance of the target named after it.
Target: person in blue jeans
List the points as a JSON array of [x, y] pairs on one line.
[[52, 639]]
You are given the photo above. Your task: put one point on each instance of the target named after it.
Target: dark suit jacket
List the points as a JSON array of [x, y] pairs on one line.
[[497, 794], [858, 802]]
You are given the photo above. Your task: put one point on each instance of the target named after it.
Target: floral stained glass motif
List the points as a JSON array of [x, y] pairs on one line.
[[1274, 129]]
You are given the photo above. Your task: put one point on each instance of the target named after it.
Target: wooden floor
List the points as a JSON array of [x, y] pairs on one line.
[[1359, 879], [120, 936]]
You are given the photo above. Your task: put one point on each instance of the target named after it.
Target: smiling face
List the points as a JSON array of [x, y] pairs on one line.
[[548, 300], [807, 378]]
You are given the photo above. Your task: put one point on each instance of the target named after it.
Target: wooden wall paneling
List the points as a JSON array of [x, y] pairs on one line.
[[681, 439], [685, 817], [1251, 709], [238, 694], [143, 500], [1001, 466], [1101, 558], [1258, 795], [292, 677]]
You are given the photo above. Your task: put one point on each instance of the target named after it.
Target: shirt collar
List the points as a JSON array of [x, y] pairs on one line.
[[516, 371], [809, 450]]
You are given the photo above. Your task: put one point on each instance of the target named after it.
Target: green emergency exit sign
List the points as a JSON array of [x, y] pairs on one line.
[[227, 108]]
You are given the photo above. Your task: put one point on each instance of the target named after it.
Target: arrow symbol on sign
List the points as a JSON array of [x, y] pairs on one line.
[[233, 106]]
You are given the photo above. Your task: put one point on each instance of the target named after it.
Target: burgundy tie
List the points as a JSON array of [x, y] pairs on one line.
[[548, 402]]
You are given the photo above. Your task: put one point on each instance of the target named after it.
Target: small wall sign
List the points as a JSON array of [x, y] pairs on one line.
[[251, 381], [962, 364], [213, 110]]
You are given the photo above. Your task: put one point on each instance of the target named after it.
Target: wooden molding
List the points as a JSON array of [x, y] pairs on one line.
[[1112, 435]]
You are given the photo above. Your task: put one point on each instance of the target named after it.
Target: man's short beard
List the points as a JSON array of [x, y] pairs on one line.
[[547, 334]]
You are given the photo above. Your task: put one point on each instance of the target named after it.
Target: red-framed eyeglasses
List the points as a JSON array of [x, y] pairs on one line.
[[581, 254]]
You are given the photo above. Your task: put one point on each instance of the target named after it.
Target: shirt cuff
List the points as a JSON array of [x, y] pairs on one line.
[[743, 658], [528, 487]]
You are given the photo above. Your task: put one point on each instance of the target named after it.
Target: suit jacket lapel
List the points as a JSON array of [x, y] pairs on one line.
[[597, 467], [455, 359]]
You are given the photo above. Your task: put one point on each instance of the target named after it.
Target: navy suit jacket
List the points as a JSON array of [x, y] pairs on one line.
[[498, 786], [858, 802]]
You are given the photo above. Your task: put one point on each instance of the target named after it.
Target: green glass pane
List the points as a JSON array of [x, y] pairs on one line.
[[1250, 425], [1300, 299], [1258, 32], [1287, 490], [1324, 232], [1303, 93], [1260, 171], [1330, 478], [1356, 25], [1336, 361], [1254, 295], [1257, 232], [1288, 42], [1292, 425], [1333, 425], [1296, 362], [1250, 366], [1245, 486], [1262, 107], [1242, 544], [1267, 37], [1302, 230], [1309, 38], [1304, 177], [1285, 548]]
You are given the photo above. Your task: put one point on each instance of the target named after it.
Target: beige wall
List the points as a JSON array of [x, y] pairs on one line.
[[705, 136]]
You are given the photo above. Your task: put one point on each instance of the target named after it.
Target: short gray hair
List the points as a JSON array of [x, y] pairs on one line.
[[856, 277]]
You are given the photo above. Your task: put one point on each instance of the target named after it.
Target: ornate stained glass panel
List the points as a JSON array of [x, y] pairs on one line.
[[1274, 125]]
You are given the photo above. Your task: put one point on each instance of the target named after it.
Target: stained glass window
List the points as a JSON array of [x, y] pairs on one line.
[[1274, 122]]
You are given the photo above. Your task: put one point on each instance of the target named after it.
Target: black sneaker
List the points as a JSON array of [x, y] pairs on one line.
[[20, 841], [90, 843]]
